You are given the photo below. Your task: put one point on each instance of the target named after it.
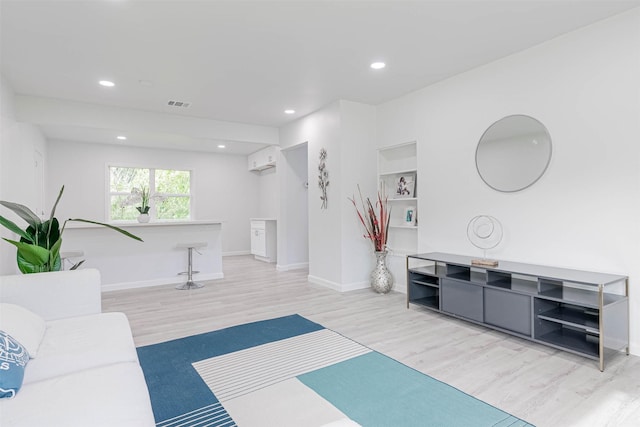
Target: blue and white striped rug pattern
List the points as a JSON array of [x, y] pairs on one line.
[[242, 372], [289, 372]]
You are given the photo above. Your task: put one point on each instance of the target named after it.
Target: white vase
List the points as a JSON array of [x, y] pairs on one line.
[[143, 218], [381, 279]]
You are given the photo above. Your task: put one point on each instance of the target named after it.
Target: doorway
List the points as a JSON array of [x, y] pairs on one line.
[[293, 230]]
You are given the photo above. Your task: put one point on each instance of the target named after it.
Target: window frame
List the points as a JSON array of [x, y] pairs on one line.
[[152, 185]]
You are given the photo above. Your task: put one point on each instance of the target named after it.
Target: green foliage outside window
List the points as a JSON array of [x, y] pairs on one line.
[[170, 192], [173, 182], [173, 208]]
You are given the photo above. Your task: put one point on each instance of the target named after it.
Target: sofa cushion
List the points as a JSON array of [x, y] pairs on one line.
[[12, 363], [23, 325], [84, 342], [114, 395]]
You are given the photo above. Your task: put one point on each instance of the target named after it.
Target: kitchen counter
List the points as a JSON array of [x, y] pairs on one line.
[[127, 263]]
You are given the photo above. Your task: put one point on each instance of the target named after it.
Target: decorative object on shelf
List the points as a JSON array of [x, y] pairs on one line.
[[513, 153], [410, 218], [40, 242], [396, 161], [323, 177], [405, 186], [381, 279], [484, 232], [143, 218], [376, 225]]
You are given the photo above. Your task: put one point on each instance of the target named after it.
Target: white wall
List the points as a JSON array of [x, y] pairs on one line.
[[321, 129], [359, 161], [59, 112], [18, 142], [268, 192], [583, 213], [222, 186], [293, 229], [338, 255]]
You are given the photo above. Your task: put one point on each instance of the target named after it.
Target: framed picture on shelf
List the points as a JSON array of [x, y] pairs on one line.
[[405, 186], [409, 217]]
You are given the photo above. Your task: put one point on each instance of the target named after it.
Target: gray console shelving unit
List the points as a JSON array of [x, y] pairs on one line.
[[582, 312]]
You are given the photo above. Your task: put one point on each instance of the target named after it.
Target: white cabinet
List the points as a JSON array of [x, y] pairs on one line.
[[263, 239], [258, 241], [263, 159]]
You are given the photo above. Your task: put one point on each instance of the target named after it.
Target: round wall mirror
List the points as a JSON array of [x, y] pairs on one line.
[[513, 153]]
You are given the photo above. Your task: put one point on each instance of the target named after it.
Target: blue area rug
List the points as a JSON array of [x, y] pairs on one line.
[[241, 376]]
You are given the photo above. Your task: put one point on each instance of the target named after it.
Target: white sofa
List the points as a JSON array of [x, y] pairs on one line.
[[86, 370]]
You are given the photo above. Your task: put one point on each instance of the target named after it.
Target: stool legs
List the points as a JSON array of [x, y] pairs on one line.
[[190, 284]]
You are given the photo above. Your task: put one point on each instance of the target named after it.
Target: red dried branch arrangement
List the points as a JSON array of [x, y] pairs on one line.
[[376, 224]]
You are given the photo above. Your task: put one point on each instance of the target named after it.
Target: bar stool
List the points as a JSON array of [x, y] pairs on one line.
[[190, 284], [67, 255]]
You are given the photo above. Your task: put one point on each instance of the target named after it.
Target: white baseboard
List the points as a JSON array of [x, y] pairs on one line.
[[338, 286], [157, 282], [234, 253], [400, 287], [355, 286], [326, 283], [288, 267]]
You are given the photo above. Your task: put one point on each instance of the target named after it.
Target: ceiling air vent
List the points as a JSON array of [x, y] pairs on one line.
[[180, 104]]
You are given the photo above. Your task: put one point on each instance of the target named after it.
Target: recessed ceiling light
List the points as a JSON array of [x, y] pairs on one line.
[[378, 65], [221, 146], [121, 138], [106, 83], [289, 111]]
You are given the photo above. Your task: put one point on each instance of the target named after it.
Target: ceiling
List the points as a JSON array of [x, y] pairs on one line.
[[248, 61]]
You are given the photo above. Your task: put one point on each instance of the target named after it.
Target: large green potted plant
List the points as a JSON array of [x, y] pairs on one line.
[[40, 242]]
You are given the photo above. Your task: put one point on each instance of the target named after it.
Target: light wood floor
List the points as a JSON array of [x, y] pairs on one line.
[[539, 384]]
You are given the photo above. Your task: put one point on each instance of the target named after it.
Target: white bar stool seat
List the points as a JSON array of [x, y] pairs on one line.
[[67, 255], [190, 284]]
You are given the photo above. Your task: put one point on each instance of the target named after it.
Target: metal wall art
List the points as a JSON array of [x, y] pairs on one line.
[[323, 177], [484, 232]]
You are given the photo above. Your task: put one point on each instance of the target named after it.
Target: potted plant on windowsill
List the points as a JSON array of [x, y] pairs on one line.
[[40, 242], [143, 196]]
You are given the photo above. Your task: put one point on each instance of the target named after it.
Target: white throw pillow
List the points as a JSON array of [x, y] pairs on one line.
[[23, 325]]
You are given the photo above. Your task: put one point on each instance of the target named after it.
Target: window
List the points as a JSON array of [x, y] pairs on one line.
[[170, 193]]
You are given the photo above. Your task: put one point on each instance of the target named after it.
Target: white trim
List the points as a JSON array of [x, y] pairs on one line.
[[288, 267], [234, 253], [107, 191], [337, 286], [264, 259], [153, 213], [355, 286], [322, 282], [402, 144], [399, 287], [158, 282]]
